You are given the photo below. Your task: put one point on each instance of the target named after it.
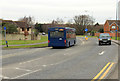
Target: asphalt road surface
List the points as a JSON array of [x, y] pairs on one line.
[[85, 60]]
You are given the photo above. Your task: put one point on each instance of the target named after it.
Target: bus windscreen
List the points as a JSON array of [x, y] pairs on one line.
[[56, 34]]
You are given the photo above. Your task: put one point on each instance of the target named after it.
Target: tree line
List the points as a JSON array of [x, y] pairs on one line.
[[79, 22]]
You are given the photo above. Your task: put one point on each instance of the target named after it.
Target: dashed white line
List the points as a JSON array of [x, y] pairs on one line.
[[26, 74], [44, 65], [4, 77], [23, 69], [51, 64], [30, 60]]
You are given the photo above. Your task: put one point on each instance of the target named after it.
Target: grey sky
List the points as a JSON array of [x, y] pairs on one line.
[[47, 10]]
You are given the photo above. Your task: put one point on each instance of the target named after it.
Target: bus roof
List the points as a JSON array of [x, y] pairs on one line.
[[62, 28]]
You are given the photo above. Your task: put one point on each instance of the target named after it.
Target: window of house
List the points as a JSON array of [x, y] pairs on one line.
[[113, 27]]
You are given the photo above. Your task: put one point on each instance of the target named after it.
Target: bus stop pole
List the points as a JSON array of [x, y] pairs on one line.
[[6, 40]]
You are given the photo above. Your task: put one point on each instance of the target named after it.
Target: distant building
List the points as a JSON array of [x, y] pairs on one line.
[[119, 10], [110, 27], [21, 26]]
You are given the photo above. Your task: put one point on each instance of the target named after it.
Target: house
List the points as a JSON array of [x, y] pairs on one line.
[[111, 26], [21, 26]]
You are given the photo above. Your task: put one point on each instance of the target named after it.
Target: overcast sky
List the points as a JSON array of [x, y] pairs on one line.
[[47, 10]]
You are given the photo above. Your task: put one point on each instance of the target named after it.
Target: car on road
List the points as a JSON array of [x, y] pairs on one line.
[[43, 33], [104, 38]]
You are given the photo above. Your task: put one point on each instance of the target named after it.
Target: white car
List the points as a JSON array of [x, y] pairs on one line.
[[43, 33]]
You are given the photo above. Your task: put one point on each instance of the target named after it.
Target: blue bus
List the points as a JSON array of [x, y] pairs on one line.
[[61, 37]]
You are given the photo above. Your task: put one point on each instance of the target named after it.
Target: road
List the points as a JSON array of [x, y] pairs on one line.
[[85, 60]]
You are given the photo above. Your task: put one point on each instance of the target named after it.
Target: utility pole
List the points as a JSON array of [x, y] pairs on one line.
[[116, 20]]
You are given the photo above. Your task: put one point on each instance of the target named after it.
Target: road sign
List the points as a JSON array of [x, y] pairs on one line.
[[116, 30], [86, 29], [4, 28]]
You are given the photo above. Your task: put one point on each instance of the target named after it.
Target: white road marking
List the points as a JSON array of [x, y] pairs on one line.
[[82, 41], [26, 74], [44, 65], [101, 53], [30, 60], [51, 64], [4, 77], [23, 69]]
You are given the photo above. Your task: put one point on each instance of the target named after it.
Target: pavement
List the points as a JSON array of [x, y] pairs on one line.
[[116, 71], [86, 60]]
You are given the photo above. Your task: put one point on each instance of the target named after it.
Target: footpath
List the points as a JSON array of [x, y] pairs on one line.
[[116, 41], [115, 73]]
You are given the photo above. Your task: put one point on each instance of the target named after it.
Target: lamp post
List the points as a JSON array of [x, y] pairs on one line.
[[116, 19]]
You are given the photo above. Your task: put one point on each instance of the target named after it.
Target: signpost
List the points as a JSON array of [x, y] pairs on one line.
[[5, 37], [86, 29], [86, 38]]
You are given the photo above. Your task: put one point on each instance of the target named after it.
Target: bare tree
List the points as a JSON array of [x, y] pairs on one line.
[[81, 21], [29, 20], [59, 21]]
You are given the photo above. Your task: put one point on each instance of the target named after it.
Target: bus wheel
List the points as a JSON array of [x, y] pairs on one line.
[[69, 44], [74, 42]]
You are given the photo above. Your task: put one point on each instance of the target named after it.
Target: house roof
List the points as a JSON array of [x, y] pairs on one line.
[[21, 24], [8, 21], [114, 21], [95, 27]]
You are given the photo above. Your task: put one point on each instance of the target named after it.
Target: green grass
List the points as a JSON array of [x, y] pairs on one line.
[[118, 38], [17, 42], [29, 46]]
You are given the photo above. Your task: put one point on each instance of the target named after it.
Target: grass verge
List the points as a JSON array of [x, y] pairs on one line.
[[17, 42], [118, 38]]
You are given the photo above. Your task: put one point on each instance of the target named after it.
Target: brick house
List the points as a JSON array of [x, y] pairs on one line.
[[110, 27], [21, 26]]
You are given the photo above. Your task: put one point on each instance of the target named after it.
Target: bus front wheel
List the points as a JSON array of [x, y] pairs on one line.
[[74, 42]]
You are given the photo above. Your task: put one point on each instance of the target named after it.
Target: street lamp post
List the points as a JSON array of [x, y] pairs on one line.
[[116, 19]]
